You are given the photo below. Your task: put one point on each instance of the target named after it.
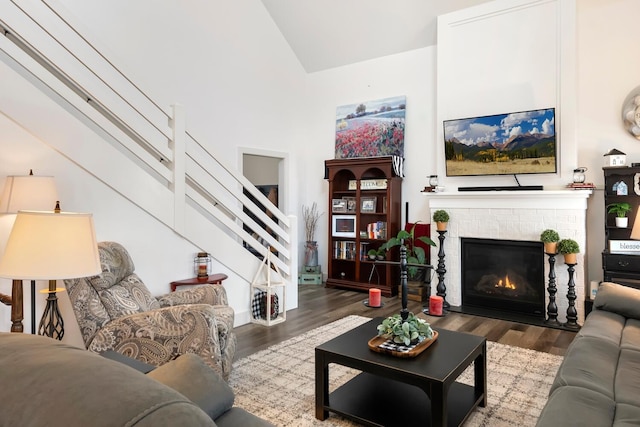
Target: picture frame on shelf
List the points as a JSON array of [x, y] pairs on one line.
[[351, 204], [368, 205], [343, 226], [338, 206]]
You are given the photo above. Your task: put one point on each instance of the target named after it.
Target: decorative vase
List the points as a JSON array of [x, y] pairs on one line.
[[311, 254], [441, 226], [622, 221], [551, 248]]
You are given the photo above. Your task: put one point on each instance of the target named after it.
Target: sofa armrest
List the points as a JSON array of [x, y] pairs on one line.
[[619, 299], [203, 294], [191, 377], [158, 336]]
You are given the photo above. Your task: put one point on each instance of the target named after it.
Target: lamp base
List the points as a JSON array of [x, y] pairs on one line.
[[51, 324]]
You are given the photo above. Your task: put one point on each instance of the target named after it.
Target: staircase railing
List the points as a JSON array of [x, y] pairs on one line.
[[41, 41]]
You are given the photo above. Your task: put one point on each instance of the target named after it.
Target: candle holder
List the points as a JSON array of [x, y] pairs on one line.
[[441, 288], [572, 314], [202, 265], [552, 308]]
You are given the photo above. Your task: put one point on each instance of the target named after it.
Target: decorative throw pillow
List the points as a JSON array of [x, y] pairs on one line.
[[259, 305]]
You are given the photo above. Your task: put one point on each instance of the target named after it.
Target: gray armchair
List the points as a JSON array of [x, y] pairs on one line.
[[116, 311]]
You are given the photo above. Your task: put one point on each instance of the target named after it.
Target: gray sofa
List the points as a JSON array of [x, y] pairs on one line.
[[598, 382], [48, 383]]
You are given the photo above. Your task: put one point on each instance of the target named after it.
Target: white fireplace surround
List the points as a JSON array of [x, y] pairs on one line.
[[513, 215]]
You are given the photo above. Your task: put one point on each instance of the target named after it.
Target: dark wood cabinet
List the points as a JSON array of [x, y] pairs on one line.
[[620, 267], [364, 211]]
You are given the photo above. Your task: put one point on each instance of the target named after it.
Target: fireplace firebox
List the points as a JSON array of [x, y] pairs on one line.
[[503, 276]]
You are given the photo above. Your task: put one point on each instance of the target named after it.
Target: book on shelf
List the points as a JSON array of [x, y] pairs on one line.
[[582, 185], [344, 249], [377, 230], [364, 248]]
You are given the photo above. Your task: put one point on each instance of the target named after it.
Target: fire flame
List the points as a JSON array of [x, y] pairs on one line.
[[507, 284]]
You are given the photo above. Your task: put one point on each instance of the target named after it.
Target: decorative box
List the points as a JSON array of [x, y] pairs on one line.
[[310, 279]]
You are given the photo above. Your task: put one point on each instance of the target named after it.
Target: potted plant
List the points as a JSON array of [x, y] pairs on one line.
[[377, 253], [441, 219], [412, 330], [620, 210], [415, 254], [569, 248], [550, 238]]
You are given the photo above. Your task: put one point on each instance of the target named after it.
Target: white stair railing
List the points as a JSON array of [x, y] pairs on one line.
[[45, 46]]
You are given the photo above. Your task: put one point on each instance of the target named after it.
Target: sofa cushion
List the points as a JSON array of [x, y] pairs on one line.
[[590, 363], [577, 406], [189, 375], [49, 383], [128, 296], [605, 326], [239, 417], [618, 299], [626, 416], [628, 378], [631, 335]]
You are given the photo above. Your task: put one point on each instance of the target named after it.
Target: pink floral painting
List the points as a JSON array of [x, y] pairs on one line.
[[371, 129]]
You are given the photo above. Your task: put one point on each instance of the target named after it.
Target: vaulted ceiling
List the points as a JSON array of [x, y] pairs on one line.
[[331, 33]]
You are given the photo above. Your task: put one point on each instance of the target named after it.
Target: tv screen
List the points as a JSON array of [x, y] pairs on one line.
[[502, 144]]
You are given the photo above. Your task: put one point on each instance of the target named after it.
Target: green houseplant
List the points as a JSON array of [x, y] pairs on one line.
[[441, 218], [620, 210], [415, 254], [550, 238], [414, 329], [377, 253], [569, 248]]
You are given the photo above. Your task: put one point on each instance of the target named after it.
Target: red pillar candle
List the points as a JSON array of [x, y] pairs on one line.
[[374, 297], [435, 305]]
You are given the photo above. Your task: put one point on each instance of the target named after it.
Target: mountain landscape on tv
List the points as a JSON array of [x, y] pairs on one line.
[[515, 143]]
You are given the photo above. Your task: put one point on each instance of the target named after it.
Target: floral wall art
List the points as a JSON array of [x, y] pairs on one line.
[[371, 128]]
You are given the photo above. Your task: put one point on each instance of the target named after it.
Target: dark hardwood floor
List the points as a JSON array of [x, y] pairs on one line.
[[318, 306]]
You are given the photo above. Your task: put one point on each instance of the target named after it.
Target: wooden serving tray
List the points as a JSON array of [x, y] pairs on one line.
[[376, 341]]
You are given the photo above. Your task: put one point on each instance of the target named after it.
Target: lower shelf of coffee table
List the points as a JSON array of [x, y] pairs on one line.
[[376, 401]]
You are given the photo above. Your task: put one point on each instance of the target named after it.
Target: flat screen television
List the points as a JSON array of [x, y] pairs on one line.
[[503, 144]]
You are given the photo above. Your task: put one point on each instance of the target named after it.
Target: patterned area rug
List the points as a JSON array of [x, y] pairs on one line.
[[278, 383]]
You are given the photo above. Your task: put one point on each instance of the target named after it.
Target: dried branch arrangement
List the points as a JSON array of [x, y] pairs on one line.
[[310, 215]]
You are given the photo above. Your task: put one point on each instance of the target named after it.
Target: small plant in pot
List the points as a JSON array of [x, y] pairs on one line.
[[379, 253], [620, 210], [412, 330], [569, 248], [550, 238], [441, 218]]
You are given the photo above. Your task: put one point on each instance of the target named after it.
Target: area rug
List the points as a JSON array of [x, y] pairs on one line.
[[277, 384]]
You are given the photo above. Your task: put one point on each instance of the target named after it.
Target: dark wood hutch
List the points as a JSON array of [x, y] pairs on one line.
[[364, 211]]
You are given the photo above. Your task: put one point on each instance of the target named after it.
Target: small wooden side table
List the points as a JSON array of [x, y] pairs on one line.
[[214, 279]]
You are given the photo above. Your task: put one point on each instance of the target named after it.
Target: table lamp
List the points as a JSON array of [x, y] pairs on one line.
[[26, 192], [51, 246]]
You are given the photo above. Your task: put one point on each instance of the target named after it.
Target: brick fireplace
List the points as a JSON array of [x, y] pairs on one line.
[[512, 215]]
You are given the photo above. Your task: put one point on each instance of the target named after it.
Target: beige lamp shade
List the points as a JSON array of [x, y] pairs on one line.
[[51, 246], [635, 232], [28, 192]]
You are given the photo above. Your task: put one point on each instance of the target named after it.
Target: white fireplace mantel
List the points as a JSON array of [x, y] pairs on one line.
[[512, 215], [550, 199]]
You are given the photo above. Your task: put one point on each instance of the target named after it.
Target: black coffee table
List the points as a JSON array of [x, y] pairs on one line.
[[402, 391]]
